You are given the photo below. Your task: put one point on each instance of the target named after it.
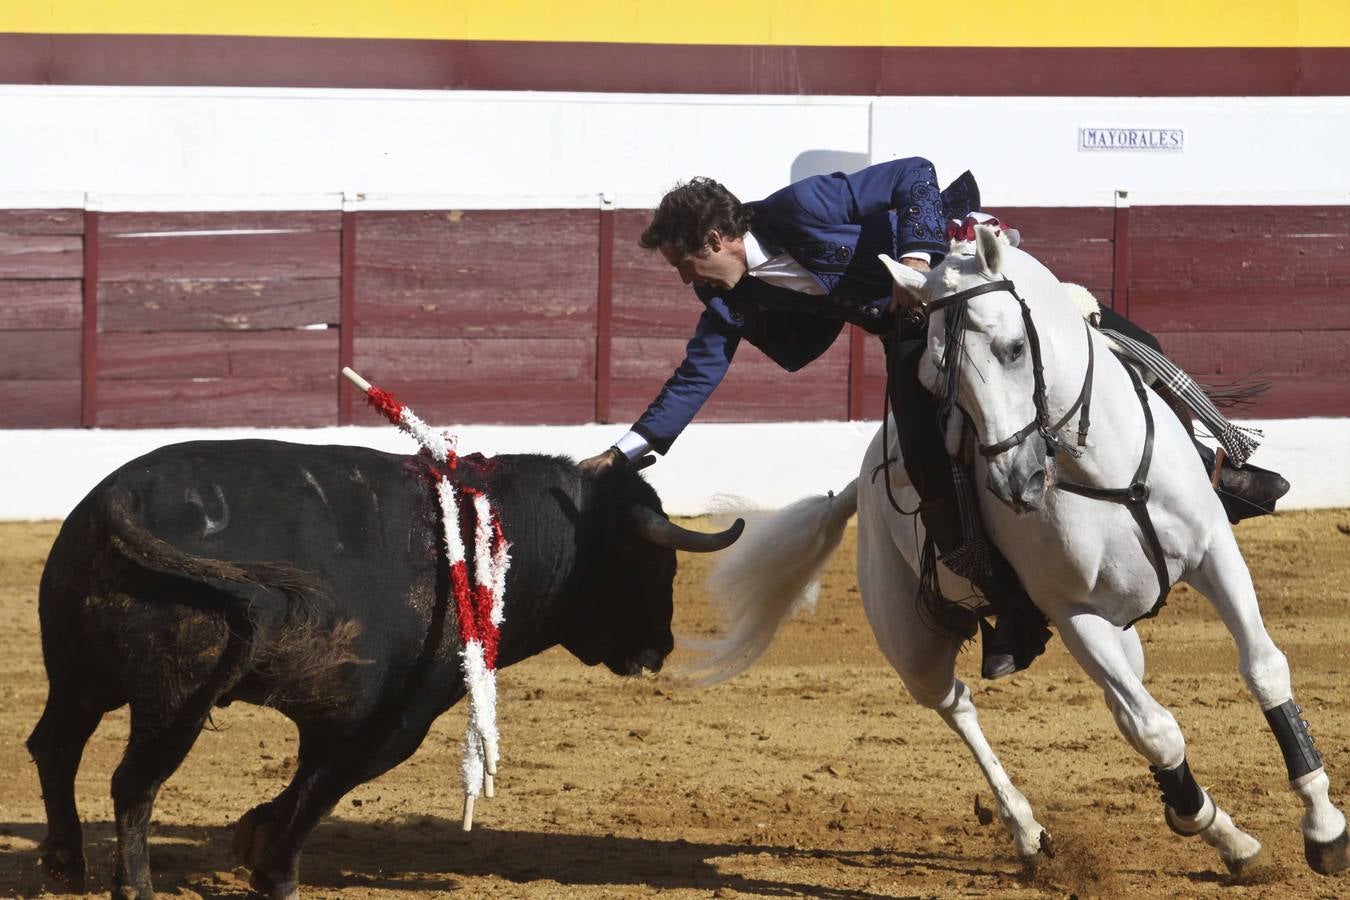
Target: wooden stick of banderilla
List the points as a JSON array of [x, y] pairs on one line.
[[356, 379]]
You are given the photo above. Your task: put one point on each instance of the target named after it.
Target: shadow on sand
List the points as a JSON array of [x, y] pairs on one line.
[[422, 855]]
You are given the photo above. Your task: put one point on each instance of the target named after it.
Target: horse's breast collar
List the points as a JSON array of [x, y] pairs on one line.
[[1135, 496]]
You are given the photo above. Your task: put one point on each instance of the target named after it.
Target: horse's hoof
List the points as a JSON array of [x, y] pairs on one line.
[[131, 892], [1044, 852], [63, 864], [1330, 857], [253, 833], [1247, 865]]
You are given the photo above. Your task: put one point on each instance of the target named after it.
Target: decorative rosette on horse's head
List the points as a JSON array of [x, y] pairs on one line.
[[963, 230]]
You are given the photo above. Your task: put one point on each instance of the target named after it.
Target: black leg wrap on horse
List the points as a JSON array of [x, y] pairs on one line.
[[1179, 789], [1291, 731]]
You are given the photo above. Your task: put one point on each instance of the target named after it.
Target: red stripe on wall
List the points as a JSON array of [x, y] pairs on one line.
[[668, 68]]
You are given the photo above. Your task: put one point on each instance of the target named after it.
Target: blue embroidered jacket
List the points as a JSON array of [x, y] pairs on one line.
[[833, 226]]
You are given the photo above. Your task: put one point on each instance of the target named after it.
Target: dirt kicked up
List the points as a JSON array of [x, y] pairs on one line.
[[812, 775]]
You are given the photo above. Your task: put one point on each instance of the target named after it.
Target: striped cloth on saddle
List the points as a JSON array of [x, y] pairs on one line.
[[1239, 442]]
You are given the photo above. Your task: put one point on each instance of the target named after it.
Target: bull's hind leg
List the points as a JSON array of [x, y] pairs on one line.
[[160, 740], [57, 743], [1223, 577], [1154, 733], [926, 664]]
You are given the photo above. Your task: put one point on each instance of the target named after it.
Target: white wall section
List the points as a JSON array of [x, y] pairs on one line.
[[159, 148], [46, 472]]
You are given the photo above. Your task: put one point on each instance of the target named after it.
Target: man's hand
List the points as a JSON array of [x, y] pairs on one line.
[[915, 263], [602, 462]]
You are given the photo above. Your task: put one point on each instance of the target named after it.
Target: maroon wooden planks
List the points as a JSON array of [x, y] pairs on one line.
[[477, 273], [655, 358], [1273, 307], [41, 256], [478, 360], [48, 303], [50, 355], [89, 321], [205, 304], [258, 255], [42, 221], [216, 402], [169, 354], [496, 403], [124, 223], [1208, 224], [737, 400], [40, 403], [1264, 354], [1298, 396], [347, 317], [1060, 223], [1240, 262]]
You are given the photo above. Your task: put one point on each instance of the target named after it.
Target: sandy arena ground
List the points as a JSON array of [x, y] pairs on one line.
[[810, 776]]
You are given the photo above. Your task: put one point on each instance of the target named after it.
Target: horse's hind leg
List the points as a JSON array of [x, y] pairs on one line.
[[1154, 733], [1223, 577], [926, 664], [57, 743]]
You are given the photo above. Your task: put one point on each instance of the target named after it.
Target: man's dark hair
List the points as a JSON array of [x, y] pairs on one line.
[[689, 211]]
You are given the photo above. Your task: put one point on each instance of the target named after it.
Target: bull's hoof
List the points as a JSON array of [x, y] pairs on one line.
[[253, 834], [63, 864], [267, 886], [1330, 857]]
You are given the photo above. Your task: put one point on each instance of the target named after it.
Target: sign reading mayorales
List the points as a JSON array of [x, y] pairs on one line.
[[1131, 139]]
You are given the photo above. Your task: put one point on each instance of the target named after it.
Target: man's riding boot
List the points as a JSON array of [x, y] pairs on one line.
[[1246, 492], [1021, 630]]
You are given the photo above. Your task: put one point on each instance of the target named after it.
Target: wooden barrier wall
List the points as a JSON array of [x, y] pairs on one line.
[[557, 317]]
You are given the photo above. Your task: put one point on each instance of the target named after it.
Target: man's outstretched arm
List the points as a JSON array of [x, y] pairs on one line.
[[706, 360]]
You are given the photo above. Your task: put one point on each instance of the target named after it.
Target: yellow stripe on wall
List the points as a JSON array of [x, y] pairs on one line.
[[978, 23]]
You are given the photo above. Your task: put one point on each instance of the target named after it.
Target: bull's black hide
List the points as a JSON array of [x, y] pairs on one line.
[[311, 579]]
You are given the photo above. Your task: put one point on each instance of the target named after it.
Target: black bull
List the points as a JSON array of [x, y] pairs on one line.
[[313, 580]]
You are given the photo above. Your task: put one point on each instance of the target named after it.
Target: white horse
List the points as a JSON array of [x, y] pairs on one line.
[[1088, 564]]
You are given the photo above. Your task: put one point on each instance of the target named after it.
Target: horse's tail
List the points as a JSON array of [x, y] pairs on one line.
[[764, 577]]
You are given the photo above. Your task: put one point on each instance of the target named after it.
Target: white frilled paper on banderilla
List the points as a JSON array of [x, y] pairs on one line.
[[479, 627]]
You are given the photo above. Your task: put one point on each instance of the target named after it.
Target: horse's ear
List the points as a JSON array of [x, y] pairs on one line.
[[912, 284], [988, 250]]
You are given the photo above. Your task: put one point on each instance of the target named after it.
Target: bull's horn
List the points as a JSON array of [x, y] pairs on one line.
[[656, 528]]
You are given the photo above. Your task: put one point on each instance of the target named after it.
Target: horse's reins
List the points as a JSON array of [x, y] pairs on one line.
[[1134, 497]]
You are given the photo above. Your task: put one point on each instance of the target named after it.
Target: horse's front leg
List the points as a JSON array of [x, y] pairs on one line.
[[1223, 577], [1154, 733], [926, 662]]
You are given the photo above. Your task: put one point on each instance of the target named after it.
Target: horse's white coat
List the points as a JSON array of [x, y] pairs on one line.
[[1085, 562]]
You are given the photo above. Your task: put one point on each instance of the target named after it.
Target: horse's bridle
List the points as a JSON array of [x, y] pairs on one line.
[[1134, 497], [1041, 422]]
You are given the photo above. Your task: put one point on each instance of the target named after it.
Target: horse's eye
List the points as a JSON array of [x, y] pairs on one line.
[[1016, 350]]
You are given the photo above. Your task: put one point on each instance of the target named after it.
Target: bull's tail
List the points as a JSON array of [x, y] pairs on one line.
[[773, 570], [285, 616], [231, 587]]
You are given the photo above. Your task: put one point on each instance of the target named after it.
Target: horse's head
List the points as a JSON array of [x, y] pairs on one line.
[[980, 358]]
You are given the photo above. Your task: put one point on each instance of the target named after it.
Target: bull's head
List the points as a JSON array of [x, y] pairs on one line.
[[625, 622]]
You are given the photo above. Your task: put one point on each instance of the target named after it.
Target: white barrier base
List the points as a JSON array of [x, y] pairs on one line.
[[44, 473]]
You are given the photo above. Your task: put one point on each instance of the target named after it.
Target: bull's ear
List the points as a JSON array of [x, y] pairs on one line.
[[988, 251], [911, 285]]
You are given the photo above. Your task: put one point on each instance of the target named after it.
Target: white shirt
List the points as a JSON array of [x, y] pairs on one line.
[[782, 271]]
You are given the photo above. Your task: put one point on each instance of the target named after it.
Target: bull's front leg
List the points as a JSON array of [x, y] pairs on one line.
[[277, 874], [1224, 578]]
